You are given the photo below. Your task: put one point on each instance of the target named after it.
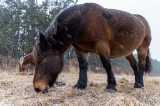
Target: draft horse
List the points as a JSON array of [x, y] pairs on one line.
[[91, 28]]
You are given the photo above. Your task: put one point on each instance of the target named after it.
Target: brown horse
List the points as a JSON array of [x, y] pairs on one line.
[[28, 59], [91, 28]]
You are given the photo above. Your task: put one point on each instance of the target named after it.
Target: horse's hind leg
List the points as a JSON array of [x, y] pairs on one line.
[[142, 63], [134, 66], [83, 67]]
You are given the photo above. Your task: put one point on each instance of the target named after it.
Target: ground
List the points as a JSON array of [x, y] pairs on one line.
[[16, 89]]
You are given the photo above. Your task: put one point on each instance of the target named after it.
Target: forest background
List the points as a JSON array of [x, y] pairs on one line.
[[21, 21]]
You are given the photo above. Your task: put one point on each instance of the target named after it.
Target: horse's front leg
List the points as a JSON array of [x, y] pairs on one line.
[[83, 67], [111, 79]]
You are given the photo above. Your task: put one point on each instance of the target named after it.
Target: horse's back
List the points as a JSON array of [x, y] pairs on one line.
[[92, 26], [121, 31]]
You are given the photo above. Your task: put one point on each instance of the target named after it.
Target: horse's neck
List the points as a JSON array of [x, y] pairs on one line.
[[63, 43], [25, 61], [28, 59], [62, 49]]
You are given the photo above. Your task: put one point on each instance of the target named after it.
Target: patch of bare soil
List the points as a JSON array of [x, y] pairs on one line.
[[17, 90]]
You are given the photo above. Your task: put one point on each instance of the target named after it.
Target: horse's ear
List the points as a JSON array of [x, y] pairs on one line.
[[41, 37], [43, 43]]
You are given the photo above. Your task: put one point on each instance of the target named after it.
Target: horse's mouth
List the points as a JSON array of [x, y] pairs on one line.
[[51, 83], [45, 90]]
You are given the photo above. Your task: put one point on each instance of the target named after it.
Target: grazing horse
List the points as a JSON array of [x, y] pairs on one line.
[[91, 28], [28, 59]]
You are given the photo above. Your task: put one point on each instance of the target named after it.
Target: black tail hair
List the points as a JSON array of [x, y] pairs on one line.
[[148, 65]]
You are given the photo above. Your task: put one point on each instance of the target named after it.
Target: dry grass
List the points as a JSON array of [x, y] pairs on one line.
[[17, 90]]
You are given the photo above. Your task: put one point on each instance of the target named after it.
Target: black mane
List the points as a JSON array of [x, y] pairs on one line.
[[67, 22]]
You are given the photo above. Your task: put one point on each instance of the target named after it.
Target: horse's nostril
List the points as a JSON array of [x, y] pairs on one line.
[[37, 90]]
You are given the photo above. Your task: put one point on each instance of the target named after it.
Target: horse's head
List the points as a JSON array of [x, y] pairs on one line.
[[48, 66], [21, 66]]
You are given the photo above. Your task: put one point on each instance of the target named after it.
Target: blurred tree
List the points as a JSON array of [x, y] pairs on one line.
[[20, 24], [156, 67], [22, 20]]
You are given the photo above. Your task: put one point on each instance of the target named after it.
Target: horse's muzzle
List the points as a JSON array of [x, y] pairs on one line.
[[43, 91]]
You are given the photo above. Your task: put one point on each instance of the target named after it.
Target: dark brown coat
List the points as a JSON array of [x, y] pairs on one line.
[[91, 28]]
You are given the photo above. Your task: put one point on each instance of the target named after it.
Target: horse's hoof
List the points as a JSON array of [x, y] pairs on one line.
[[110, 90], [78, 87], [111, 87], [138, 85], [60, 83]]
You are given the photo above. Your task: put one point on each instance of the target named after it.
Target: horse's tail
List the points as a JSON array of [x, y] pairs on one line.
[[148, 65]]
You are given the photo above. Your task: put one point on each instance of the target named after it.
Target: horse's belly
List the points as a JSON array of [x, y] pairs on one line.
[[121, 50], [120, 53], [123, 45]]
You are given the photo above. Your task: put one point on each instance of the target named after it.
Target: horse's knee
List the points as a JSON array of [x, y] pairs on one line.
[[106, 63], [83, 64], [83, 67], [81, 57]]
